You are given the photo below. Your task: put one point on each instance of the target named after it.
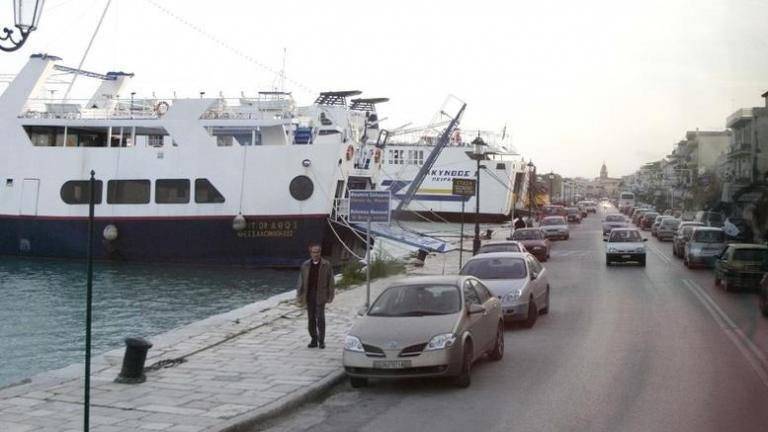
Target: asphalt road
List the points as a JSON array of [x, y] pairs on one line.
[[624, 349]]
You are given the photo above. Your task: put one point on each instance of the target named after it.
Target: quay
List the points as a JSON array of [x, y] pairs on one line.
[[240, 369]]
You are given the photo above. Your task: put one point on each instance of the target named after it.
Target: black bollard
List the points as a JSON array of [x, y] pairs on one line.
[[133, 363]]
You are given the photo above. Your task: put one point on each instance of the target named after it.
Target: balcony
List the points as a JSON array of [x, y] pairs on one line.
[[739, 150]]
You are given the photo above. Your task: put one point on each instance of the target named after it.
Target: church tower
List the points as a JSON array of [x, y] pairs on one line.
[[603, 172]]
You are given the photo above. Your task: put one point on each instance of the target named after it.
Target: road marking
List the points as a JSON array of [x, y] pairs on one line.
[[749, 350], [661, 255]]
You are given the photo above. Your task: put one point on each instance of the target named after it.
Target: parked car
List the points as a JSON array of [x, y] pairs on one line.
[[591, 206], [709, 218], [667, 228], [625, 244], [738, 230], [555, 227], [534, 241], [741, 265], [704, 246], [502, 246], [657, 223], [518, 279], [681, 237], [427, 326], [552, 210], [573, 214], [613, 220]]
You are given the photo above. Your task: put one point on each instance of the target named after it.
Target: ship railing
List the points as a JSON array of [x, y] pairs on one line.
[[244, 108], [77, 109], [340, 210]]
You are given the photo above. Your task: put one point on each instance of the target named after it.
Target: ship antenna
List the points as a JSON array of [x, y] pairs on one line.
[[88, 49]]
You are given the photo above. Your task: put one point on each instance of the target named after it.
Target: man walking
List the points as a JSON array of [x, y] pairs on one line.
[[314, 289]]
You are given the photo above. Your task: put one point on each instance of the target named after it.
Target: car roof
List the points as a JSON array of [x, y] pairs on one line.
[[706, 228], [694, 223], [521, 255], [501, 242], [748, 246], [430, 279], [554, 217], [625, 229]]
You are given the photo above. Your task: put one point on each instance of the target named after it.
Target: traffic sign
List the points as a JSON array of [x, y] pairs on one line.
[[368, 205]]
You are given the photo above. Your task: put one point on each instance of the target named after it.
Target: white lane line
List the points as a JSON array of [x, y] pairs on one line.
[[661, 255], [749, 350]]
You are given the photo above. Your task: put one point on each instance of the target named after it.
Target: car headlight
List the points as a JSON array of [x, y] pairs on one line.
[[640, 250], [612, 250], [352, 343], [441, 341], [513, 296]]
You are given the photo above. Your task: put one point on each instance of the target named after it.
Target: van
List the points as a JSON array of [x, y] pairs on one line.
[[709, 218]]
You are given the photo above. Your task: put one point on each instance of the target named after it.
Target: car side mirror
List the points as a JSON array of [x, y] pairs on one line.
[[605, 239], [645, 239], [534, 276], [476, 309]]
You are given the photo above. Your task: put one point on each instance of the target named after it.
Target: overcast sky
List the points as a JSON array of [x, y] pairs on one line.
[[576, 82]]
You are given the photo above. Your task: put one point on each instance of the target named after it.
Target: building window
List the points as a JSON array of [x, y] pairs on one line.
[[172, 191], [128, 192], [206, 193], [78, 192]]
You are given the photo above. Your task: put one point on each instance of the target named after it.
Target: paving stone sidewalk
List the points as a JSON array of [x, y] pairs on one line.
[[241, 367]]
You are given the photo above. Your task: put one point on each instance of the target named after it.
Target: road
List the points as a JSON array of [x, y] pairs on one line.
[[624, 349]]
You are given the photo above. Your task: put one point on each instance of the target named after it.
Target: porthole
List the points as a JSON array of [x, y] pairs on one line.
[[301, 188]]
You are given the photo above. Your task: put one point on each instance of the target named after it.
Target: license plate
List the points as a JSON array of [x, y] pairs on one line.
[[626, 256], [391, 364]]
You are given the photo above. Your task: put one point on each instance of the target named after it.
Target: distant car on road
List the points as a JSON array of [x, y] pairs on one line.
[[613, 220], [646, 222], [573, 214], [534, 241], [427, 326], [502, 246], [623, 245], [518, 279], [704, 246], [667, 228], [555, 227], [741, 265], [681, 237], [657, 223]]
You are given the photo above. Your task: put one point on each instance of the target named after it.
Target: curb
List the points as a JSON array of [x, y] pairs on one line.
[[248, 421]]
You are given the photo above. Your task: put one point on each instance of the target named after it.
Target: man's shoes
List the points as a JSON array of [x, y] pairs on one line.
[[322, 345], [313, 344]]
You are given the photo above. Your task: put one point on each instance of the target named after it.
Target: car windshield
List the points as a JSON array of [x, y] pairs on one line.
[[502, 247], [756, 255], [650, 215], [670, 223], [625, 236], [417, 300], [614, 218], [553, 221], [709, 236], [495, 268], [527, 234]]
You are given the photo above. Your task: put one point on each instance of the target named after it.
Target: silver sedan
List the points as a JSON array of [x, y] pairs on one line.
[[427, 326]]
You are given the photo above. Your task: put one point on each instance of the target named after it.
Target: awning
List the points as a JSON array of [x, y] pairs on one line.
[[410, 238]]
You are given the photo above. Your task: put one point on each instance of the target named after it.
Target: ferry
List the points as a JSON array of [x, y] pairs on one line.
[[249, 181], [502, 176]]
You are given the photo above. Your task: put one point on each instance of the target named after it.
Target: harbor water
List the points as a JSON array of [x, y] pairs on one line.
[[42, 306]]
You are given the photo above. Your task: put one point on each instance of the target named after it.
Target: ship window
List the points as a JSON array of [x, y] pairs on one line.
[[205, 192], [128, 192], [78, 192], [229, 136], [172, 191]]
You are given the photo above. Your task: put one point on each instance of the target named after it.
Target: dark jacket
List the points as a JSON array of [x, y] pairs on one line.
[[325, 282]]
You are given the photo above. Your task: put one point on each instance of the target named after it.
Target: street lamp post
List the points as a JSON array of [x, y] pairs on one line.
[[26, 16], [531, 174], [477, 155], [551, 187]]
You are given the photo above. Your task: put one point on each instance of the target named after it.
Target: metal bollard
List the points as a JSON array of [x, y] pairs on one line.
[[133, 363]]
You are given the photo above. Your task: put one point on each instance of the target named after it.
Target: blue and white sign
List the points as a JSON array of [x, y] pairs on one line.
[[366, 204]]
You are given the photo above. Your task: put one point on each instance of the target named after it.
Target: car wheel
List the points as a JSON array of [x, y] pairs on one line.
[[357, 382], [497, 352], [686, 262], [545, 310], [642, 262], [464, 379], [567, 237], [763, 302], [533, 314]]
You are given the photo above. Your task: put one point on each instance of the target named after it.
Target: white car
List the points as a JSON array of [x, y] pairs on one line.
[[555, 227], [625, 244], [517, 279]]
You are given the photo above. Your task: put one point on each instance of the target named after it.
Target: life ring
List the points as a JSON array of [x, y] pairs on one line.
[[377, 155], [350, 152], [161, 108]]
